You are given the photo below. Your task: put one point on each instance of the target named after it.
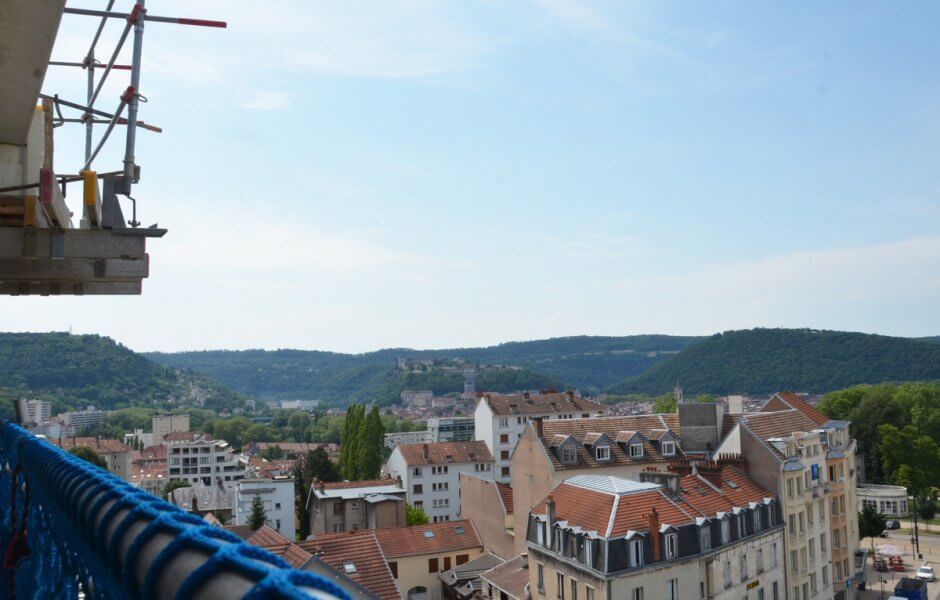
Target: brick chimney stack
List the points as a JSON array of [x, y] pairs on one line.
[[653, 520], [425, 448], [550, 518]]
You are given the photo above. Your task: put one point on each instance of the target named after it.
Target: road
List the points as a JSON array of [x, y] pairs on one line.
[[929, 548]]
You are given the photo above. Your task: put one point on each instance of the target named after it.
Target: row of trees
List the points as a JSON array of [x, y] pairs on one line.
[[362, 445]]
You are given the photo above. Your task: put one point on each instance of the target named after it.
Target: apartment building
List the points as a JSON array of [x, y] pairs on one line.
[[117, 456], [163, 425], [417, 554], [551, 451], [808, 461], [278, 497], [352, 505], [76, 421], [489, 505], [36, 411], [430, 474], [500, 420], [197, 458], [713, 534]]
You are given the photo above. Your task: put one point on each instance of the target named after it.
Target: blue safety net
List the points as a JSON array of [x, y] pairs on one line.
[[53, 546]]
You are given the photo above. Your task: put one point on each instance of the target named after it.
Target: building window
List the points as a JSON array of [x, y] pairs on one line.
[[773, 556], [416, 472], [540, 576], [505, 472], [672, 545], [760, 560], [725, 531], [588, 593], [393, 567], [705, 537], [636, 553], [504, 422], [418, 489], [446, 563], [504, 438], [574, 589], [588, 552], [638, 593], [504, 454], [462, 558], [743, 560], [672, 589], [636, 450], [602, 453], [568, 455], [776, 592], [757, 520], [540, 534], [432, 565], [277, 506], [727, 574], [561, 585], [669, 448]]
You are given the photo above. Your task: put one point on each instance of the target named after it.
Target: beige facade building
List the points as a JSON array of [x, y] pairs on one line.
[[353, 505], [166, 424], [807, 460], [710, 534], [418, 553], [551, 451], [489, 505], [117, 456]]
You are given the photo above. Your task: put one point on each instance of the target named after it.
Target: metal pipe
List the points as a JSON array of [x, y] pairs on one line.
[[110, 65], [108, 14], [120, 121], [100, 113], [65, 63], [107, 132], [139, 13], [89, 97]]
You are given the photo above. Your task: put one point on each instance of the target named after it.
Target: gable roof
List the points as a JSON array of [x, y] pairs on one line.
[[99, 445], [505, 494], [362, 549], [534, 404], [617, 428], [794, 400], [781, 423], [511, 577], [465, 578], [433, 538], [444, 453], [274, 542]]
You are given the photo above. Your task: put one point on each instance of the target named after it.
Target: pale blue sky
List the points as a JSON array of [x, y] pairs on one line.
[[349, 176]]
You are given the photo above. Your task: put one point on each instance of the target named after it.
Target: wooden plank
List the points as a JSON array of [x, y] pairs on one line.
[[73, 269], [91, 200], [33, 215], [90, 288], [53, 203], [77, 243]]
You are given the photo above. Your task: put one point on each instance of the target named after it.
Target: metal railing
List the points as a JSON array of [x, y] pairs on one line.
[[71, 527]]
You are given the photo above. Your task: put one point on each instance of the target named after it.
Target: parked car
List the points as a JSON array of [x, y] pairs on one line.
[[925, 573], [892, 524], [884, 533]]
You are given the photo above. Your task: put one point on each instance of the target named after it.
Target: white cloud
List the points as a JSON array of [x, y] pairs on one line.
[[267, 101]]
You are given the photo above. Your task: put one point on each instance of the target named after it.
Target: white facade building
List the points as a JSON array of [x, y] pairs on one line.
[[278, 497], [163, 425], [203, 460], [38, 411], [430, 474], [83, 419], [889, 500], [499, 420]]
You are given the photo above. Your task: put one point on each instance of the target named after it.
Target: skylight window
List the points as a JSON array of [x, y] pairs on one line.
[[349, 567], [731, 484], [459, 530], [428, 534]]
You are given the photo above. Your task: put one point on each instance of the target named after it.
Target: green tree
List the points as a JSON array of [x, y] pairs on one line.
[[371, 444], [89, 455], [272, 453], [318, 466], [665, 404], [912, 459], [258, 516], [926, 510], [870, 524], [349, 443], [174, 484], [415, 515]]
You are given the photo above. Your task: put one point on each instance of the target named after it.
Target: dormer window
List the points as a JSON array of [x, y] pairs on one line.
[[568, 454], [672, 545], [602, 453], [669, 449], [636, 450], [636, 552]]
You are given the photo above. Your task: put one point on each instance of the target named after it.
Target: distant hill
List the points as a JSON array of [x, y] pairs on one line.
[[590, 363], [80, 370], [932, 339], [767, 360]]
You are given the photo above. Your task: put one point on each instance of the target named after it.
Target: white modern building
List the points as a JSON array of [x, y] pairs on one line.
[[406, 437], [499, 420], [278, 497], [197, 458], [308, 405], [430, 474], [37, 411], [889, 500], [83, 419]]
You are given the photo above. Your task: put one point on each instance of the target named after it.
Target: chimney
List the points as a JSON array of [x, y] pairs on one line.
[[537, 423], [711, 472], [195, 504], [550, 514], [425, 448], [570, 394], [398, 480], [525, 395], [653, 521]]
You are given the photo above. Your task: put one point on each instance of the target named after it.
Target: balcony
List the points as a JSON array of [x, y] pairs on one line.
[[91, 534]]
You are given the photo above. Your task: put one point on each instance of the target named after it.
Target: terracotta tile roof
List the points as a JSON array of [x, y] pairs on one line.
[[148, 470], [782, 423], [505, 494], [511, 577], [362, 549], [438, 453], [157, 452], [529, 404], [101, 446], [554, 431], [272, 541], [181, 436], [411, 540], [296, 447], [793, 400], [270, 468], [593, 510]]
